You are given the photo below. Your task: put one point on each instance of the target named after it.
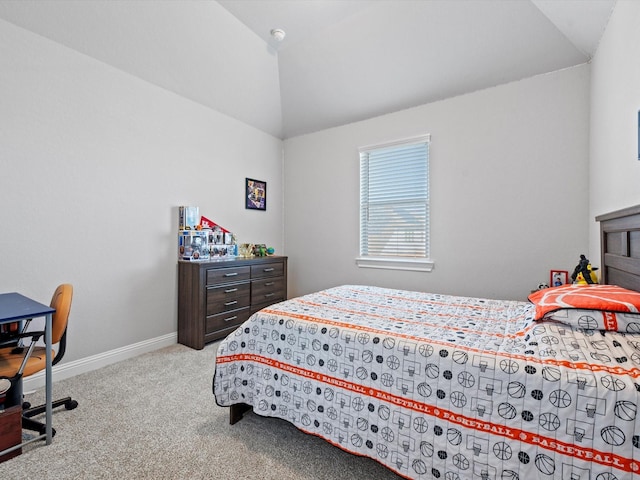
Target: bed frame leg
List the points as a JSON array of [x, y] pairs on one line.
[[237, 411]]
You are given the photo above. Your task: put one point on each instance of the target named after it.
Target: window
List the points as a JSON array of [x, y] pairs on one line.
[[394, 205]]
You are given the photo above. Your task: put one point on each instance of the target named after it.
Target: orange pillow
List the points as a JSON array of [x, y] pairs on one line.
[[608, 298]]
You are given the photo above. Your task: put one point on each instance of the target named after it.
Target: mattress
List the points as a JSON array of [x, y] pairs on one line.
[[438, 386]]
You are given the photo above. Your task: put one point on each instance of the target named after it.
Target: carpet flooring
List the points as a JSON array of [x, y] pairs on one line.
[[154, 417]]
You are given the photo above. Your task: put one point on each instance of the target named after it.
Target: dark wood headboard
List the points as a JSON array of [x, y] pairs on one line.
[[620, 248]]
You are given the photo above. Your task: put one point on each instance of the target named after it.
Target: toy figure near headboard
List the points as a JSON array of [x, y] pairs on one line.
[[584, 273]]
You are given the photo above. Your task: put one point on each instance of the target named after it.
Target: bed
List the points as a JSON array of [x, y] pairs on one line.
[[437, 386]]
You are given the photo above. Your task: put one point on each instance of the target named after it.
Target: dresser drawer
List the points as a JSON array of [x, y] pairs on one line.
[[231, 274], [225, 321], [228, 297], [275, 269], [267, 290]]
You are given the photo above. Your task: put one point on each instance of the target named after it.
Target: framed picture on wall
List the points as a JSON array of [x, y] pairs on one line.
[[255, 192], [558, 277]]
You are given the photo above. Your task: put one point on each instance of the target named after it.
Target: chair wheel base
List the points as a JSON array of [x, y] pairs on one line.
[[41, 428], [28, 411], [43, 431]]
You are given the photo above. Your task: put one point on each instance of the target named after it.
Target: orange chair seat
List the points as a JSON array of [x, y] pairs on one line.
[[10, 362]]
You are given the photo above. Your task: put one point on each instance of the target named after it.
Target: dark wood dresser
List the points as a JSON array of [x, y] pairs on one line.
[[215, 297]]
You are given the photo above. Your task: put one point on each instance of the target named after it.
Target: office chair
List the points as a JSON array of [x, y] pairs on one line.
[[20, 357]]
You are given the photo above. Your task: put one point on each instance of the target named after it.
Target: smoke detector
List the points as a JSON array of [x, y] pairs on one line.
[[278, 34]]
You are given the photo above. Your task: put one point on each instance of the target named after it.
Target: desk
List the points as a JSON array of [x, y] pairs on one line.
[[14, 308]]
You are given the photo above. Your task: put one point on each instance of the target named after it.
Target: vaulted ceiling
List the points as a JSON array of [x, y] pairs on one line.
[[341, 60]]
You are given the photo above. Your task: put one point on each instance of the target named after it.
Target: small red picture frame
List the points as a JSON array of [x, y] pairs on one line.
[[558, 278]]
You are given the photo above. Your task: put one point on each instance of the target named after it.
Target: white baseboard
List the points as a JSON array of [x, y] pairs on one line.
[[83, 365]]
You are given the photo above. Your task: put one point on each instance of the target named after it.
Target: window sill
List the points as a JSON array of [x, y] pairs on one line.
[[412, 264]]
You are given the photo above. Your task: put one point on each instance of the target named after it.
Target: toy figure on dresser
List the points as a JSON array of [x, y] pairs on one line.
[[259, 250], [584, 273], [192, 245], [216, 236], [245, 250], [250, 250]]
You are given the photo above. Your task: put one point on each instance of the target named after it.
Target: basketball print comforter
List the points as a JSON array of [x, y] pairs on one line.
[[437, 386]]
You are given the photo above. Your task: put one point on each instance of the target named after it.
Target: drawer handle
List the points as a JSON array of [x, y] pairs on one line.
[[231, 274], [231, 290], [268, 284], [267, 295], [230, 318], [268, 269], [230, 303]]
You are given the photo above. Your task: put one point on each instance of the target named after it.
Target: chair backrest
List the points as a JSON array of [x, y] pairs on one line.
[[61, 301]]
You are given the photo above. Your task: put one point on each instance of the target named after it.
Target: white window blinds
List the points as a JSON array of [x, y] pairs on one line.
[[394, 200]]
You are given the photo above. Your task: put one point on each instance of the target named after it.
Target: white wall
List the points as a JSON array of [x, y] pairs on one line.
[[615, 102], [163, 42], [93, 165], [509, 190]]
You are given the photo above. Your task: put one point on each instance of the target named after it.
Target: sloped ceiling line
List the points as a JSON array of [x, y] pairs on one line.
[[341, 61]]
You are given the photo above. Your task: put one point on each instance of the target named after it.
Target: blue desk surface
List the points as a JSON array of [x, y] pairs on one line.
[[14, 306]]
